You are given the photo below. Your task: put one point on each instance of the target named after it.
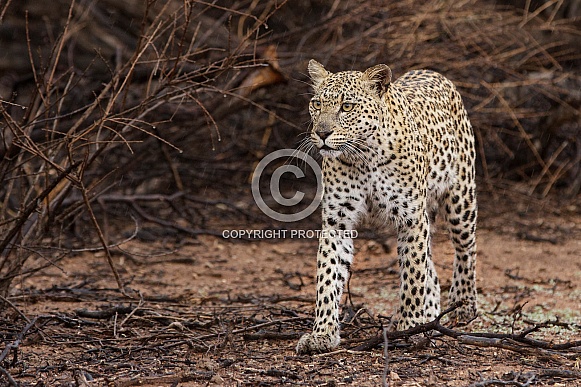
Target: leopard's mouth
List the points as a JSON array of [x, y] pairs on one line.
[[327, 151]]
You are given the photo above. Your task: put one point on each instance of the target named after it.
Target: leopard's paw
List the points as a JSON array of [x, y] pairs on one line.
[[317, 343], [467, 312], [405, 323]]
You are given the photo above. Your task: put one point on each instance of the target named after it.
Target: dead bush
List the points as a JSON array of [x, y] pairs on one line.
[[152, 115]]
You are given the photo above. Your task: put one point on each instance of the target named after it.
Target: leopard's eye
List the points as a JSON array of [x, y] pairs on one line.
[[316, 104], [347, 106]]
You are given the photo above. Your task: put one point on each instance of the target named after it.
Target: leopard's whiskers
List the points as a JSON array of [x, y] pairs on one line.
[[356, 149]]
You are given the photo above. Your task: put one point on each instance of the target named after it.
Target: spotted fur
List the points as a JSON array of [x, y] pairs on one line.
[[399, 151]]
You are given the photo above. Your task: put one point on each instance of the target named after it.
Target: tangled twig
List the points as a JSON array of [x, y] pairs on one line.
[[514, 342]]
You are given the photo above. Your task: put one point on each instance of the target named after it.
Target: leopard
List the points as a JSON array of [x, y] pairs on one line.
[[402, 152]]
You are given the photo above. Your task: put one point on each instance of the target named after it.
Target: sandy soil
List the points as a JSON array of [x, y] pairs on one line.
[[210, 311]]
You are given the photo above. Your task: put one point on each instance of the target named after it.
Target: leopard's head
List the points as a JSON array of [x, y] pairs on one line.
[[346, 108]]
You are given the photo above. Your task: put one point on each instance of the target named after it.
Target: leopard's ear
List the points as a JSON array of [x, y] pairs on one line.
[[317, 72], [379, 76]]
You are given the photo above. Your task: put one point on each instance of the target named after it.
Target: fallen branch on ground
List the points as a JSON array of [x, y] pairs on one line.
[[513, 342], [13, 346]]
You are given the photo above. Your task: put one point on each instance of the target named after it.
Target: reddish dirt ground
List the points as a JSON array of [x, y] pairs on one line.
[[210, 311]]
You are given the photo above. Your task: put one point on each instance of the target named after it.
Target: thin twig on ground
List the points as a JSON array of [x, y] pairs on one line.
[[514, 342]]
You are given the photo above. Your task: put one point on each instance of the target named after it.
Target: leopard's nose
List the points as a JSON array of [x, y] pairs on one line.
[[323, 134]]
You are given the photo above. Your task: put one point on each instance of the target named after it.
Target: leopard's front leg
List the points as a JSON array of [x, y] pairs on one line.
[[412, 247], [334, 257], [333, 261]]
